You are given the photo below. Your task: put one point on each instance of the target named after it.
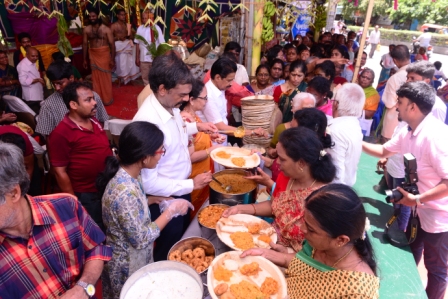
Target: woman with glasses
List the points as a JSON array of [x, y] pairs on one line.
[[129, 229], [200, 144], [261, 85]]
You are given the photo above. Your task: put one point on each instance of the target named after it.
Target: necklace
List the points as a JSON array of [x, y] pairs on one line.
[[340, 259], [294, 180], [258, 87]]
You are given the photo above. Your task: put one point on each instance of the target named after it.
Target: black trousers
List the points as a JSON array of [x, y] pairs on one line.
[[92, 203], [172, 232]]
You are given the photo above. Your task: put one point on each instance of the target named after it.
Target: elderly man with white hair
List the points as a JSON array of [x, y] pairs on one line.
[[300, 101], [346, 132]]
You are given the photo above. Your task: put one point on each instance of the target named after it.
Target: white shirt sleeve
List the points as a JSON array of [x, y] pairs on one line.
[[338, 153], [241, 76], [389, 97], [192, 128], [161, 38], [211, 112], [155, 185]]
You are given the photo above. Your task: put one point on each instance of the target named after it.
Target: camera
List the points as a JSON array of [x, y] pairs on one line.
[[411, 179]]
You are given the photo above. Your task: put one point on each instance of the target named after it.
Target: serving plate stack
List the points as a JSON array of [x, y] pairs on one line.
[[256, 113]]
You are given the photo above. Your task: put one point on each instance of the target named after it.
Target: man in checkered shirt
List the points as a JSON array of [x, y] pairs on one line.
[[49, 245], [53, 109]]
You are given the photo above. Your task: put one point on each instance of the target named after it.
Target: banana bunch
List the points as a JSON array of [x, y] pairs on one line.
[[267, 33]]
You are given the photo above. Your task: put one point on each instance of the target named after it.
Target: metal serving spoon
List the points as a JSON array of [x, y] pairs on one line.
[[227, 188]]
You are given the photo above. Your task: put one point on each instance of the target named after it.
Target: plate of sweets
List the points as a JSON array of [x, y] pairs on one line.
[[242, 232], [251, 277], [235, 157]]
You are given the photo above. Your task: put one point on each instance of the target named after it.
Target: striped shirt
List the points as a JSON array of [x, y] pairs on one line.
[[62, 239], [53, 110]]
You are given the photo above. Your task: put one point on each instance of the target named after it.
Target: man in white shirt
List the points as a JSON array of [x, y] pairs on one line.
[[424, 139], [222, 75], [346, 132], [424, 71], [374, 40], [143, 58], [424, 39], [29, 77], [171, 83], [400, 55]]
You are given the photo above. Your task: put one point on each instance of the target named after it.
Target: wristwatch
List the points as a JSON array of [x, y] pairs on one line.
[[417, 200], [89, 288]]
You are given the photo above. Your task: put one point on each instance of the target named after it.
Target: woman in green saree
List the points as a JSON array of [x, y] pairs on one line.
[[283, 94], [336, 260]]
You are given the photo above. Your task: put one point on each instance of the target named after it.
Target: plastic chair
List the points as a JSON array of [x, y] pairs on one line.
[[17, 105]]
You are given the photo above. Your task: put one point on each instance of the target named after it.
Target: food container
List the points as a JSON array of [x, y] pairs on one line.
[[132, 285], [217, 197], [191, 243], [207, 230]]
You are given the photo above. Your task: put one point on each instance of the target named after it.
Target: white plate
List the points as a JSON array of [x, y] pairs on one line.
[[225, 236], [268, 269], [235, 152]]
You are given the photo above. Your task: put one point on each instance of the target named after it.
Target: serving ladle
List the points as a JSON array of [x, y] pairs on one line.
[[227, 188]]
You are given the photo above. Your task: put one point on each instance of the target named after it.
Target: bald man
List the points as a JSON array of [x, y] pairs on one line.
[[30, 79]]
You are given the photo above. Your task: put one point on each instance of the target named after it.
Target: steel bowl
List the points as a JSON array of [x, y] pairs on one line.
[[159, 266], [217, 197], [207, 231], [191, 243]]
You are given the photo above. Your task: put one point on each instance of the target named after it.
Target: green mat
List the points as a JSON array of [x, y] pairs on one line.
[[398, 273]]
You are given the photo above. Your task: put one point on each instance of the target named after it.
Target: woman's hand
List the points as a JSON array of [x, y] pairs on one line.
[[278, 254], [218, 138], [261, 178], [231, 211]]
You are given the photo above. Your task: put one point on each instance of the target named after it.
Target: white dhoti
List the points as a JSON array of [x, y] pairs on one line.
[[126, 70]]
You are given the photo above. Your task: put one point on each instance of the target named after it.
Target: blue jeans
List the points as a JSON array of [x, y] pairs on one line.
[[405, 212], [435, 259]]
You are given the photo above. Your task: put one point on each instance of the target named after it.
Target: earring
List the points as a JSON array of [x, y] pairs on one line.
[[301, 169]]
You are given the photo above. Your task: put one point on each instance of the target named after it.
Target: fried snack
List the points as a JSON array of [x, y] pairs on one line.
[[238, 161], [210, 215], [223, 155], [199, 253], [269, 286], [250, 269], [200, 269], [222, 274], [264, 238], [242, 240], [209, 259], [187, 255], [254, 228], [221, 289], [227, 295], [175, 256], [246, 290]]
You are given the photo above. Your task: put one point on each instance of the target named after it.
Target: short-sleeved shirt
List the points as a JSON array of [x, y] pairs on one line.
[[14, 130], [54, 110], [82, 151], [428, 144], [63, 238]]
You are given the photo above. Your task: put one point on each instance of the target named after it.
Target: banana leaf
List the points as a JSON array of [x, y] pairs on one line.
[[155, 51], [64, 45]]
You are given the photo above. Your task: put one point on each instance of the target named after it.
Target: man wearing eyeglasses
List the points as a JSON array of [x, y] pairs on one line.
[[171, 82]]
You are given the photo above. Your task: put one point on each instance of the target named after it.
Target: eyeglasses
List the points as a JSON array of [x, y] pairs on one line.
[[203, 98], [162, 151]]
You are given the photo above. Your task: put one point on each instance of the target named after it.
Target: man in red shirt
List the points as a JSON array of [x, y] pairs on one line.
[[78, 147]]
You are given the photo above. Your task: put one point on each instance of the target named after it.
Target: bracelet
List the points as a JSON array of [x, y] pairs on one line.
[[255, 210], [208, 154]]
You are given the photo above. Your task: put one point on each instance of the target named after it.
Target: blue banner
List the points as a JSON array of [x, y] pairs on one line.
[[301, 26]]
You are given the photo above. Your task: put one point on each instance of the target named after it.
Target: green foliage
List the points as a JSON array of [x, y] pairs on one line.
[[151, 47], [405, 36], [380, 8], [425, 11], [63, 42]]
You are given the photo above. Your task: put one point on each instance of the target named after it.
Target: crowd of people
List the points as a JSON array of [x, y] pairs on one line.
[[115, 203]]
